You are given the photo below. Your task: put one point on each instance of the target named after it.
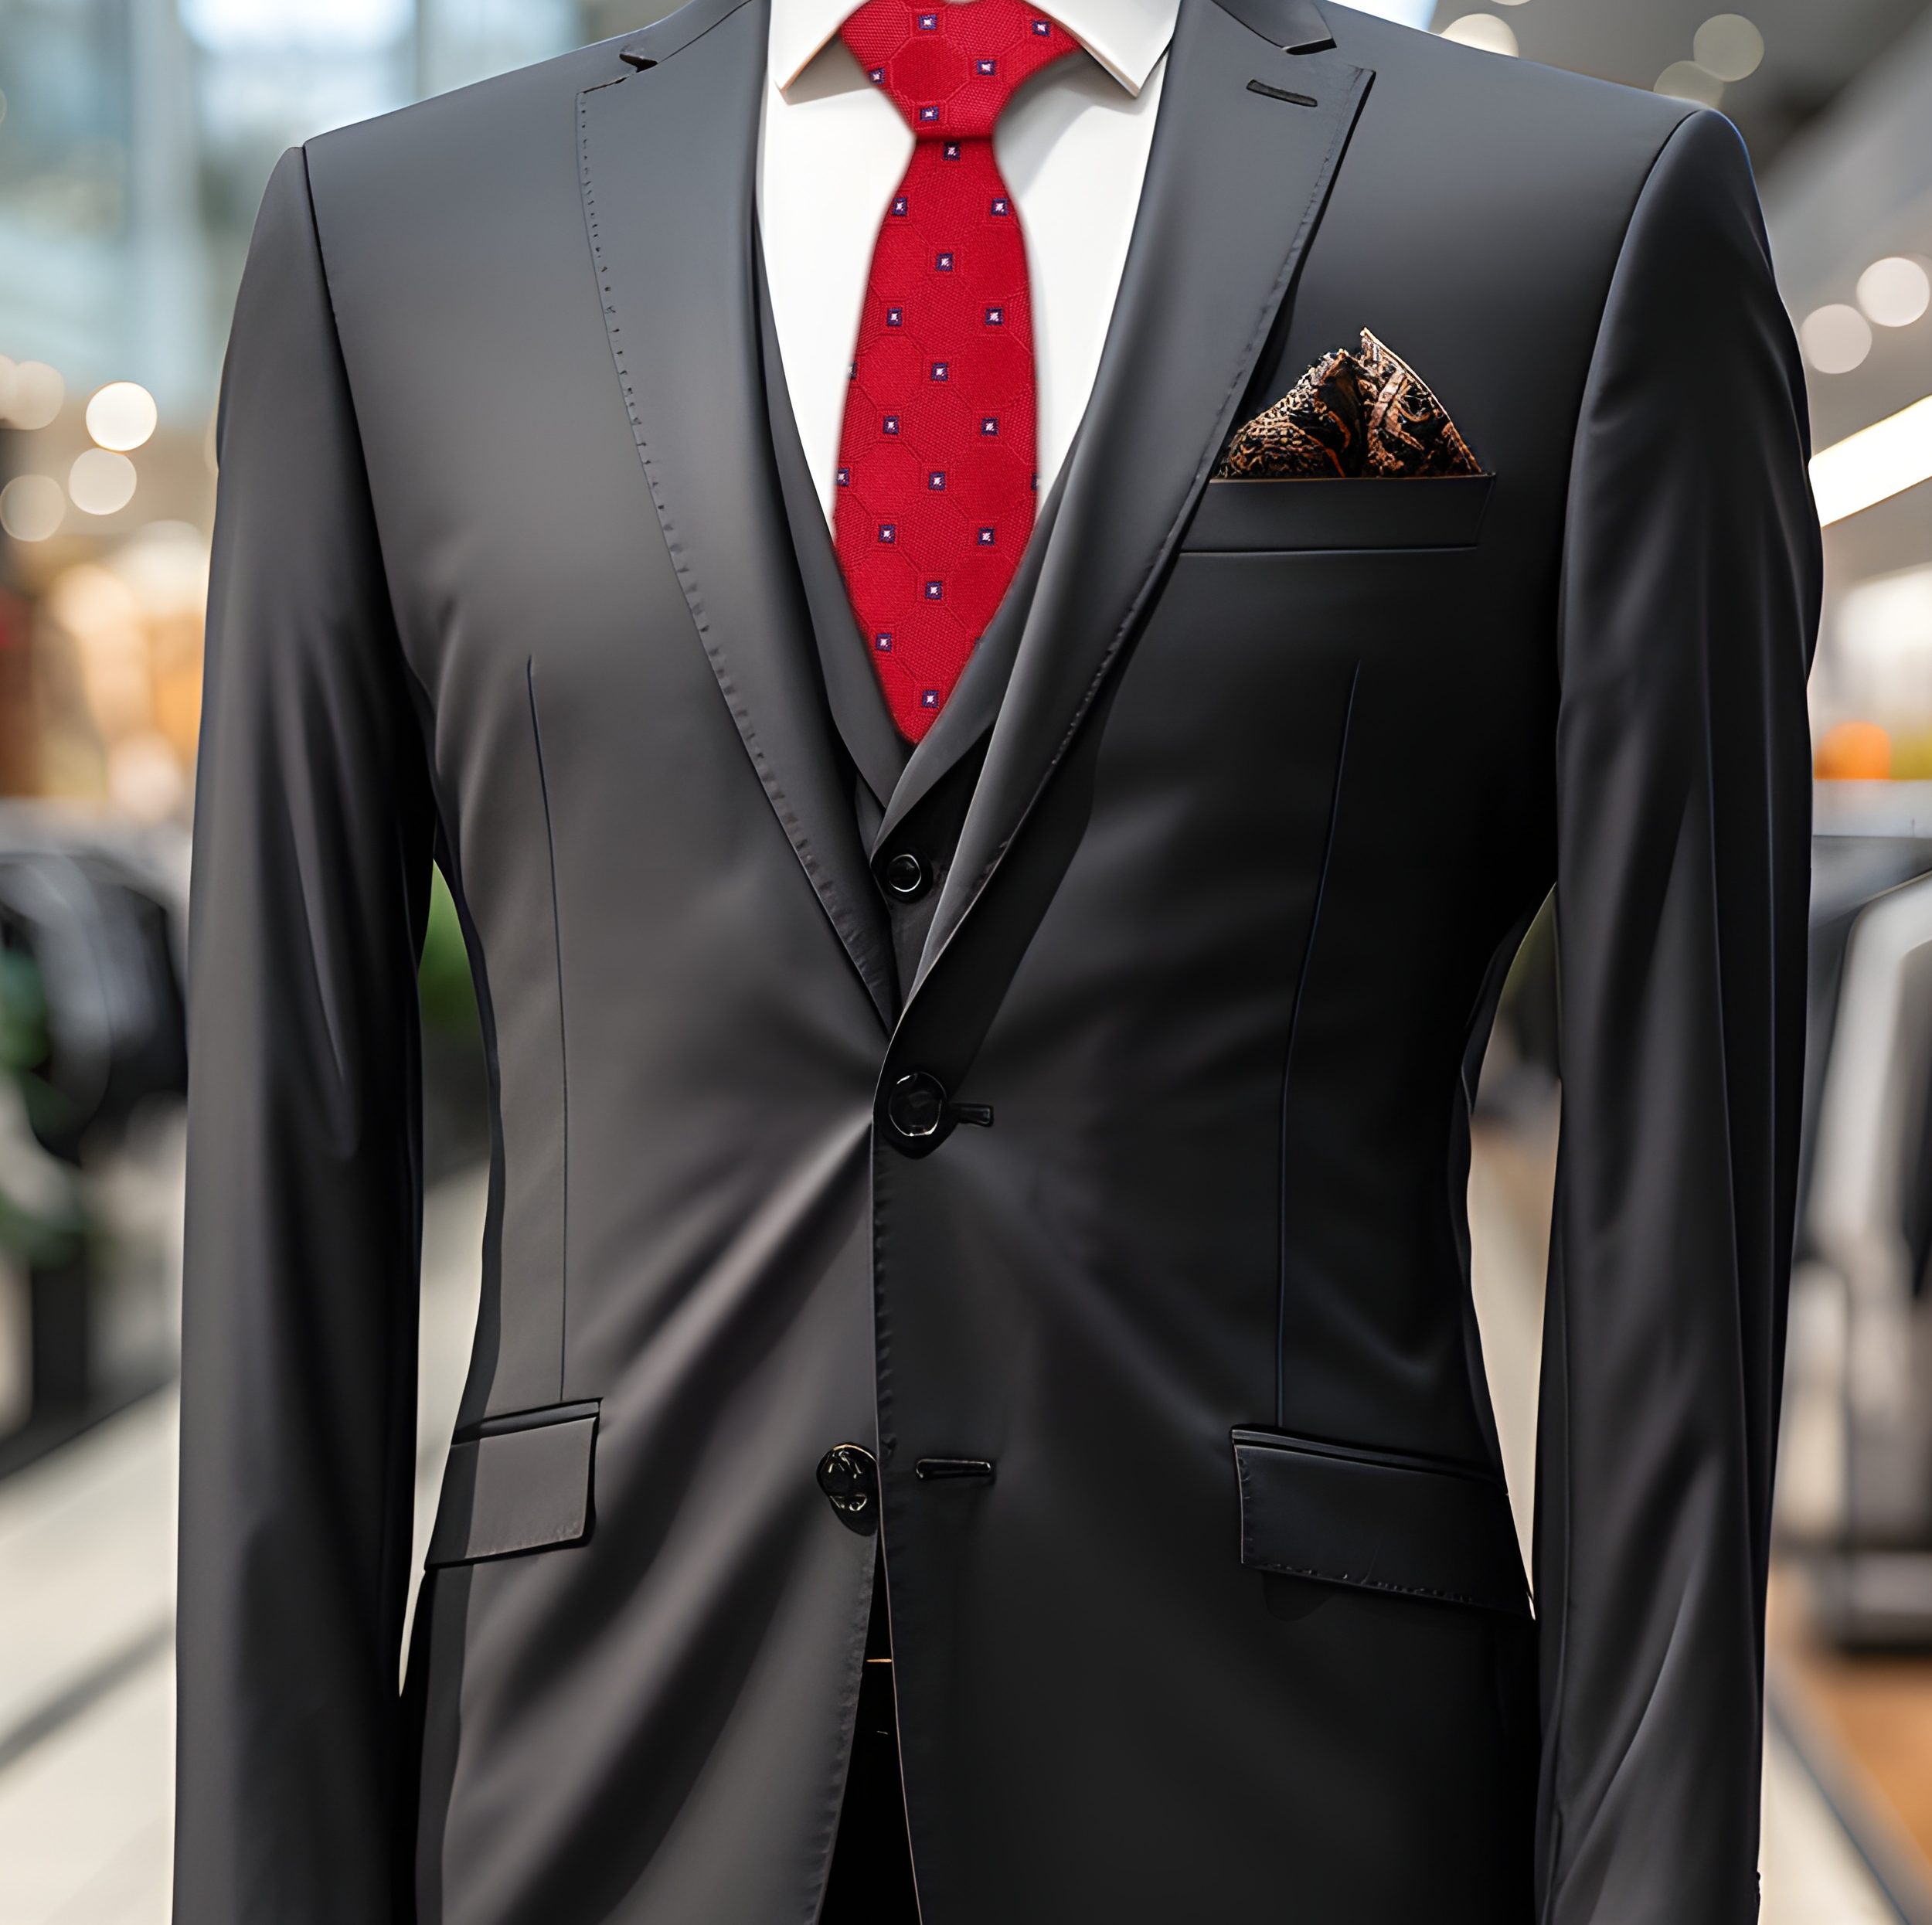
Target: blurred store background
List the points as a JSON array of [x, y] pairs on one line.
[[135, 138]]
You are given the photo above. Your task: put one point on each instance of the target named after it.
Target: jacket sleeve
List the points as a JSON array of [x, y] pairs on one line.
[[312, 838], [1690, 598]]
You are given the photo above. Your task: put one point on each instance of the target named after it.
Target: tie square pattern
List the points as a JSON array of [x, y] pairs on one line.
[[938, 440]]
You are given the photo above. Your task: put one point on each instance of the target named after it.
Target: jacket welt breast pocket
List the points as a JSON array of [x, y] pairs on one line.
[[1378, 1520], [1278, 517], [517, 1483]]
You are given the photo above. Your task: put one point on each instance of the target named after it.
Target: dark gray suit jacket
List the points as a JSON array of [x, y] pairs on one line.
[[1251, 790]]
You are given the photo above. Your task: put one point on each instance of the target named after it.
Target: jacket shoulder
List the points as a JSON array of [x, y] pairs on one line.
[[487, 112], [519, 116], [1543, 110]]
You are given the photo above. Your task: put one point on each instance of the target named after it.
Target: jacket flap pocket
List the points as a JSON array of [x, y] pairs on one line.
[[1376, 1520], [520, 1483], [1263, 517]]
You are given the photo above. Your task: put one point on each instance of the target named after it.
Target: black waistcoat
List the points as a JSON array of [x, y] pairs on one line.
[[911, 800]]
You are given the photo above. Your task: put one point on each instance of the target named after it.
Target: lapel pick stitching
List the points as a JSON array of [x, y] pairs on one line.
[[862, 943]]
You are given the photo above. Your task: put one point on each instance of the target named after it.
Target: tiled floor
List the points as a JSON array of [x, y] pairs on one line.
[[86, 1584]]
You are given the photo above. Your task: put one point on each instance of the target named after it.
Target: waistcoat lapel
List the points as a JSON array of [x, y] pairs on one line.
[[1236, 181], [900, 775], [858, 702], [667, 156]]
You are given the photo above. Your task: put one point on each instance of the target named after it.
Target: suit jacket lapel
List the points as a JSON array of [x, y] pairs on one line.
[[667, 154], [1236, 181]]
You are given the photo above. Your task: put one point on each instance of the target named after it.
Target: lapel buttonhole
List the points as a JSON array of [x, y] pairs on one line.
[[1282, 94]]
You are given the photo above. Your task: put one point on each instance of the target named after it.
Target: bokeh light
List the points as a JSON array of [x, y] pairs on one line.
[[1854, 752], [32, 507], [122, 415], [1895, 291], [1836, 338], [101, 483], [31, 393], [1729, 46], [1482, 30], [1685, 80]]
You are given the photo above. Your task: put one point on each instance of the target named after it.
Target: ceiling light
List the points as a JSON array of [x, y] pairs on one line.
[[1836, 338], [1728, 45], [1875, 463], [1895, 291]]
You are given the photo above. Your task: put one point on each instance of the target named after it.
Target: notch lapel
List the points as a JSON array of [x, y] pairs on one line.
[[1236, 185], [667, 154]]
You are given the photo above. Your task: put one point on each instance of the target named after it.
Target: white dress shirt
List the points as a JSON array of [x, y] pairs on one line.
[[1071, 147]]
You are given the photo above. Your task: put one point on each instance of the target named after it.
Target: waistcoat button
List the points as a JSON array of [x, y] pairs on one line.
[[916, 1106], [907, 877], [849, 1478]]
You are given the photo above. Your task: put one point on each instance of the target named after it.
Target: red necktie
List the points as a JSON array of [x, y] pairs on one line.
[[935, 461]]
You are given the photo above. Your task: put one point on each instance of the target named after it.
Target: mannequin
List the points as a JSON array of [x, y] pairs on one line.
[[999, 1189]]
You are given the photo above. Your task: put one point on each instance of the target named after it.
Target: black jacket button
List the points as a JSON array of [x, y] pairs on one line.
[[906, 876], [917, 1106], [849, 1478]]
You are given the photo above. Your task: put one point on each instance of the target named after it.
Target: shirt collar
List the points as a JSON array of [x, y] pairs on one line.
[[1126, 37]]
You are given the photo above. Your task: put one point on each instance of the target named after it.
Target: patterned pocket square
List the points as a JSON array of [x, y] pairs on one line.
[[1369, 414]]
